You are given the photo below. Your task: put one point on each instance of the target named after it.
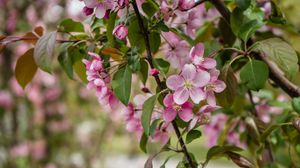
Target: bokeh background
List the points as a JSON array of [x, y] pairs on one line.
[[56, 122]]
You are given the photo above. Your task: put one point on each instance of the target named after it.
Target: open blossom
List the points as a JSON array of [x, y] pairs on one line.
[[101, 8], [197, 57], [202, 116], [87, 11], [99, 79], [120, 31], [184, 111], [188, 84], [214, 86], [176, 50]]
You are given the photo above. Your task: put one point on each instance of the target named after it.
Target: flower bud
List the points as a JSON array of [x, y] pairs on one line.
[[120, 31], [153, 72], [87, 11]]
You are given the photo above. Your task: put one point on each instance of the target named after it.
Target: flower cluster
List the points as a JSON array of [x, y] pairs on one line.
[[197, 81], [99, 80]]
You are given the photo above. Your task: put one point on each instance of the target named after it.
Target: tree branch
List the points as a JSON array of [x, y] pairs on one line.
[[158, 81], [275, 73]]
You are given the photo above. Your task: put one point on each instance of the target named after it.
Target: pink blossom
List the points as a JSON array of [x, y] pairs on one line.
[[201, 117], [188, 84], [120, 31], [20, 150], [185, 4], [184, 111], [197, 57], [176, 50], [214, 86], [98, 80], [101, 8], [6, 101], [153, 72], [120, 4]]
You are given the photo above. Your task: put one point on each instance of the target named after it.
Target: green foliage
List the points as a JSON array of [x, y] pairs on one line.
[[296, 104], [192, 135], [143, 72], [245, 23], [155, 40], [134, 61], [227, 97], [69, 25], [25, 68], [121, 84], [150, 8], [148, 107], [143, 143], [44, 51], [254, 74], [135, 35], [243, 4], [110, 27], [161, 65], [281, 53]]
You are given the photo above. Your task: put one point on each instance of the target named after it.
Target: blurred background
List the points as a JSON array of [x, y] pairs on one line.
[[56, 122]]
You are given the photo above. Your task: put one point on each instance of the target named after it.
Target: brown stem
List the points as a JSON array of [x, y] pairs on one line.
[[158, 81], [275, 73]]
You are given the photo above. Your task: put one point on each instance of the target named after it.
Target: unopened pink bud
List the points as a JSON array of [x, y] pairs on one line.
[[153, 72], [120, 31]]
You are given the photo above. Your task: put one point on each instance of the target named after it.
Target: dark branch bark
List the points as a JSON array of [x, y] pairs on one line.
[[158, 81], [275, 73]]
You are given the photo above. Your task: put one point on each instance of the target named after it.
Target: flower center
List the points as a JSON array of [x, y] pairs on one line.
[[210, 86], [188, 84], [177, 107]]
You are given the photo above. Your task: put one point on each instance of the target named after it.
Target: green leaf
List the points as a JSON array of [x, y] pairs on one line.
[[143, 72], [153, 127], [243, 4], [143, 143], [281, 53], [80, 70], [149, 9], [161, 65], [219, 151], [44, 51], [245, 23], [65, 60], [25, 68], [148, 107], [165, 162], [134, 61], [69, 25], [121, 84], [296, 104], [227, 97], [154, 39], [254, 74], [110, 27], [135, 35], [192, 135], [240, 160], [162, 26]]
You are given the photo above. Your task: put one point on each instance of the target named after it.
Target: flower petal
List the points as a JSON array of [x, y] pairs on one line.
[[219, 86], [211, 99], [100, 11], [174, 82], [209, 63], [168, 100], [181, 96], [197, 94], [201, 79], [197, 51], [188, 71], [90, 3], [169, 114], [186, 114]]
